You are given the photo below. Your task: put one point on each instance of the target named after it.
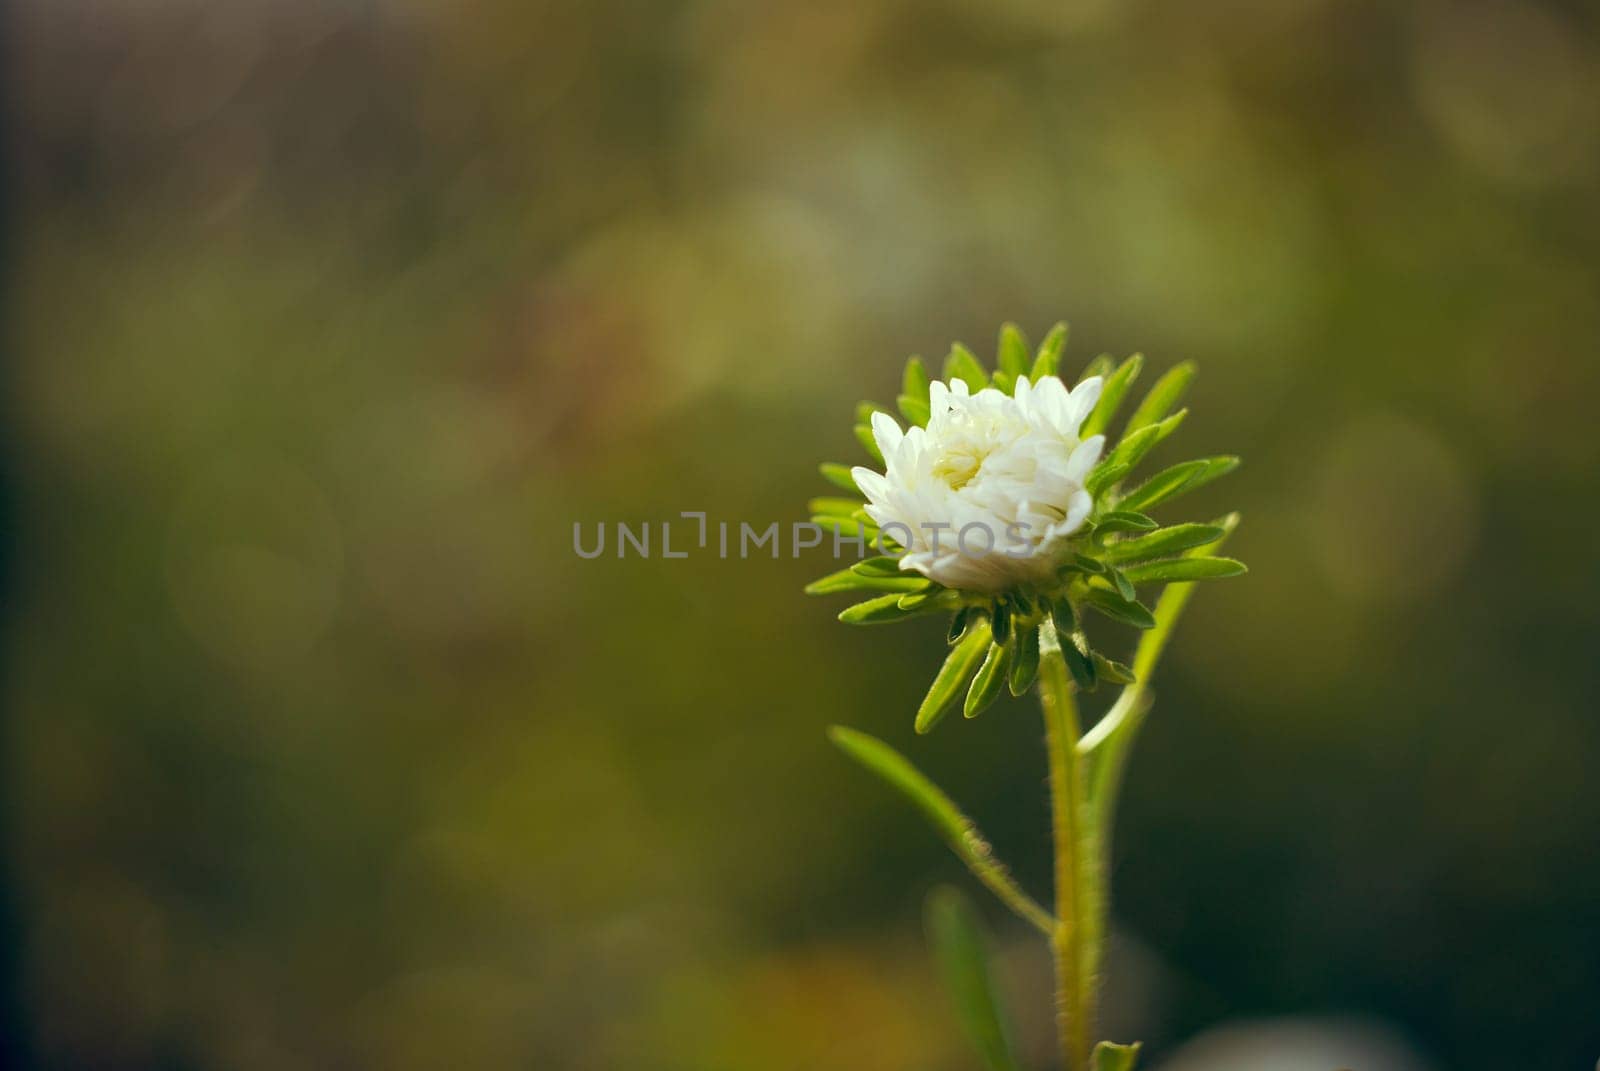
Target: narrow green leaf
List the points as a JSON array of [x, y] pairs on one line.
[[883, 565], [1080, 664], [1025, 663], [1162, 542], [1122, 520], [1135, 445], [1100, 366], [1004, 382], [1109, 1057], [1165, 485], [885, 610], [1085, 564], [1182, 569], [1047, 361], [1000, 623], [914, 409], [834, 507], [847, 527], [961, 946], [868, 443], [850, 580], [956, 828], [1105, 474], [864, 411], [963, 364], [1114, 606], [914, 383], [958, 668], [1012, 355], [1163, 395], [989, 681], [1108, 670], [1111, 396], [1123, 585], [958, 625], [1065, 617], [839, 476]]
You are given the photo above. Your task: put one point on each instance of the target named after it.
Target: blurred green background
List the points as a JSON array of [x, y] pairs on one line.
[[327, 320]]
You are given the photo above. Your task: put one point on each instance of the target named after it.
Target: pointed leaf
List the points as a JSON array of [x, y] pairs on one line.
[[957, 829], [1004, 382], [989, 681], [1162, 397], [1065, 617], [1025, 663], [1165, 485], [1117, 608], [1123, 585], [953, 676], [914, 409], [1047, 361], [833, 507], [880, 566], [1162, 542], [868, 443], [1105, 474], [885, 610], [850, 580], [1121, 520], [1185, 569], [1108, 670], [914, 382], [1100, 366], [1077, 654], [960, 945], [1012, 355], [962, 364], [839, 476], [958, 625], [1111, 396]]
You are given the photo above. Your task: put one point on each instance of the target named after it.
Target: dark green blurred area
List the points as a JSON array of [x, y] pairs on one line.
[[328, 320]]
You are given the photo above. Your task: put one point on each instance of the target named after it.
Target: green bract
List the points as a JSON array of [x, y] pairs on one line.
[[1102, 566]]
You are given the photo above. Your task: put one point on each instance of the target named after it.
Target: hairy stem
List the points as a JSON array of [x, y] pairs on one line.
[[1075, 941]]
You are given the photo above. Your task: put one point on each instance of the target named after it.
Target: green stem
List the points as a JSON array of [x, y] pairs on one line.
[[1075, 941]]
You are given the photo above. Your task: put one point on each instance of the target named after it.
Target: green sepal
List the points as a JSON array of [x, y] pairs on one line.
[[1004, 382], [914, 382], [958, 668], [1163, 541], [1162, 397], [1085, 564], [1109, 1057], [884, 610], [1076, 653], [932, 598], [1012, 352], [1107, 669], [964, 365], [1111, 396], [914, 409], [883, 565], [1064, 615], [1105, 474], [868, 443], [1100, 366], [850, 580], [1171, 482], [1123, 520], [847, 527], [833, 507], [1114, 606], [1178, 570], [1123, 585], [960, 945], [839, 476], [958, 625], [1047, 361], [864, 411], [1000, 623], [989, 681], [1136, 444], [1025, 663]]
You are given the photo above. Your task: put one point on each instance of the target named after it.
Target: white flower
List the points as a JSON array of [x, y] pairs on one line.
[[983, 496]]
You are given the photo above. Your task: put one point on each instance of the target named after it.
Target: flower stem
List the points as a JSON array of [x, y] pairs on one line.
[[1075, 940]]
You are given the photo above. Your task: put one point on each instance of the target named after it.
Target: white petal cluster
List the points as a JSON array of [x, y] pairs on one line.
[[983, 496]]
